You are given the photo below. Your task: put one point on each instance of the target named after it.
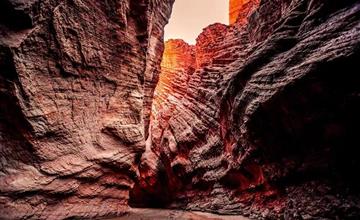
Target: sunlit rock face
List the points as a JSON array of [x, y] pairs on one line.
[[240, 10], [265, 124], [76, 89], [182, 97], [259, 118], [208, 46], [177, 66], [177, 55]]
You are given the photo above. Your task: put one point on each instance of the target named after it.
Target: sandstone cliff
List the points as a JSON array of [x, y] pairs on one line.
[[259, 118], [240, 10], [76, 86], [265, 124]]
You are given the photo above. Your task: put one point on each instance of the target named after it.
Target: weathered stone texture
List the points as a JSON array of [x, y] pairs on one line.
[[259, 118], [266, 125], [76, 83], [240, 10]]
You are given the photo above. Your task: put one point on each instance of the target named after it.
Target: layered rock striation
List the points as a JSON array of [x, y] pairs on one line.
[[76, 85], [265, 124], [259, 118], [240, 10]]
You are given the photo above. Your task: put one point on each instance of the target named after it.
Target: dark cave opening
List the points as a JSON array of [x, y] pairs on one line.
[[151, 191], [315, 127], [13, 18]]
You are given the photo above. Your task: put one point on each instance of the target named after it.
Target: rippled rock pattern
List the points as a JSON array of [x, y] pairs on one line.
[[266, 125], [240, 10], [259, 118], [76, 86]]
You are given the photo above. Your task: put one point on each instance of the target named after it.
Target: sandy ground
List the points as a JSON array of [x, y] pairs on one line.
[[163, 214]]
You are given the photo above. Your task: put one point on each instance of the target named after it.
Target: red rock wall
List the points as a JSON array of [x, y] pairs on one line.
[[259, 118], [177, 66], [76, 87], [261, 128], [178, 57], [240, 10], [208, 44]]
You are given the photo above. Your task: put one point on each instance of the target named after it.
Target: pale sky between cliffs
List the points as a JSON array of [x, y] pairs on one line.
[[190, 17]]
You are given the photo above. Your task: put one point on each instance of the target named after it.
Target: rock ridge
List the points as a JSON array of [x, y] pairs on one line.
[[76, 85], [260, 119]]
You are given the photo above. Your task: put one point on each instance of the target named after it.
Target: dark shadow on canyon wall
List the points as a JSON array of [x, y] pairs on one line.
[[266, 122], [259, 118], [159, 195], [311, 129]]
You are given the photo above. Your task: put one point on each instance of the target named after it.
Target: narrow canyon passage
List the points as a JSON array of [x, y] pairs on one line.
[[189, 80], [296, 141], [105, 114]]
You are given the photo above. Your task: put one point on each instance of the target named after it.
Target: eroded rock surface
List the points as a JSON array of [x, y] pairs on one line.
[[240, 10], [259, 118], [266, 124], [76, 86]]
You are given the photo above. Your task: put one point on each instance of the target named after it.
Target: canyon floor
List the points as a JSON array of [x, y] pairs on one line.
[[166, 214]]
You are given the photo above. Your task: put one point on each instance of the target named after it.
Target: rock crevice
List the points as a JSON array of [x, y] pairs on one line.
[[259, 118], [262, 117]]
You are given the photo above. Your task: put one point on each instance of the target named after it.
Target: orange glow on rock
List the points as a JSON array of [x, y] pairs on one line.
[[178, 55], [178, 63], [240, 10]]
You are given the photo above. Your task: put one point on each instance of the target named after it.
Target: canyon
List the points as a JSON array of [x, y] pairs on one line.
[[98, 115]]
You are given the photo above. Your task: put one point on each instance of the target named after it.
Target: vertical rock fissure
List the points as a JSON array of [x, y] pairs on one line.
[[186, 71], [259, 118], [253, 112]]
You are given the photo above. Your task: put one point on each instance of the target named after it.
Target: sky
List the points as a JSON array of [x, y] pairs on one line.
[[190, 17]]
